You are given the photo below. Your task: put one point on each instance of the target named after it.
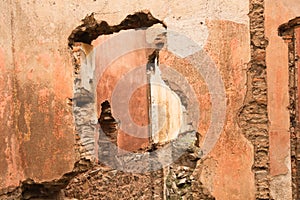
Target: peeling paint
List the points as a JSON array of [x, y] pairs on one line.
[[37, 79]]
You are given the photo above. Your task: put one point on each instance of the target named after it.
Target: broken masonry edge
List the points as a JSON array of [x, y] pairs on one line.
[[284, 28], [91, 29]]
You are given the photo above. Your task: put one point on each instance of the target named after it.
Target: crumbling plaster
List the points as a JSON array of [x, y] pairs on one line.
[[240, 42], [9, 161], [37, 82]]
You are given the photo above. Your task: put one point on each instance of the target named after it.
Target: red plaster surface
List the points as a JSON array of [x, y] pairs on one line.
[[278, 156], [10, 172], [37, 140], [138, 107], [232, 157], [196, 81], [44, 121], [36, 123], [227, 169], [278, 97], [138, 103]]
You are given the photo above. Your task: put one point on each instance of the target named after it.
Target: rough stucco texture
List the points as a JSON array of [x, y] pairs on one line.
[[8, 162], [36, 80], [37, 139], [232, 150], [278, 96]]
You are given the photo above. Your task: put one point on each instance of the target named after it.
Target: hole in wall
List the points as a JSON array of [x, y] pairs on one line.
[[84, 99], [87, 33], [93, 97], [112, 64]]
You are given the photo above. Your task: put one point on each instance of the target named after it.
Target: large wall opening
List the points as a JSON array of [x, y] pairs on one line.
[[133, 112], [140, 101]]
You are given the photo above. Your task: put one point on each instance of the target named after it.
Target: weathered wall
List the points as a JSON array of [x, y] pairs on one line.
[[41, 122], [10, 160], [37, 127], [278, 96], [232, 61], [230, 55], [126, 78], [35, 83]]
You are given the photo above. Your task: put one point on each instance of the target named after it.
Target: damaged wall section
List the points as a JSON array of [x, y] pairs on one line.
[[49, 32], [86, 104], [84, 64], [253, 117]]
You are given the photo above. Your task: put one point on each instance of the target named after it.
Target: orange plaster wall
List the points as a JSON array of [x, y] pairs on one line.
[[277, 62], [36, 124], [276, 13], [226, 171], [10, 172], [227, 168], [137, 106]]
